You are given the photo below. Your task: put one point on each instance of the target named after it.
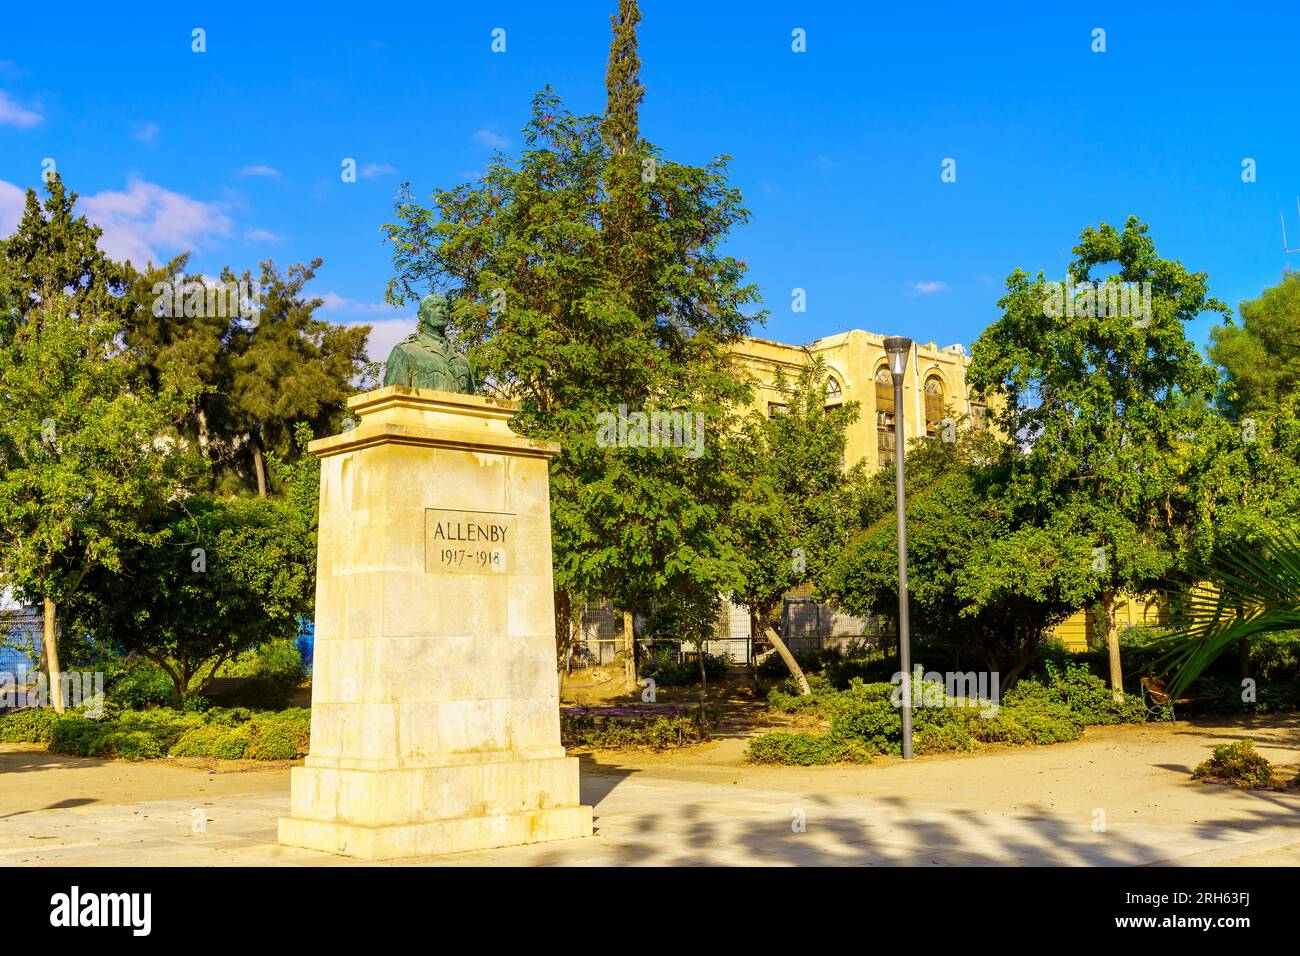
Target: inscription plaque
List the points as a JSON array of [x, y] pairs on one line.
[[469, 542]]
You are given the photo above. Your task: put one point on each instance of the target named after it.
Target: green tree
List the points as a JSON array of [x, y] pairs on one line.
[[55, 253], [550, 321], [83, 472], [289, 367], [1261, 356], [1105, 402], [221, 575], [984, 579], [788, 517]]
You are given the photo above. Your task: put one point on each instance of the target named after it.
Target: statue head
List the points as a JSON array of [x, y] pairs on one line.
[[434, 314]]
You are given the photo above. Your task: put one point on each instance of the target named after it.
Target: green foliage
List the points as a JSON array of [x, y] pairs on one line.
[[613, 733], [668, 673], [804, 750], [222, 575], [1238, 764], [32, 726], [864, 717], [224, 734], [789, 519], [1261, 356], [82, 479], [986, 580], [1081, 692], [279, 660], [1244, 591], [577, 340], [134, 683]]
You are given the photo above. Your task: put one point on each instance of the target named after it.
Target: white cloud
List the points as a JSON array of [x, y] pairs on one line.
[[385, 333], [333, 302], [15, 115], [375, 170], [147, 217], [12, 202], [263, 235], [928, 288], [491, 139], [146, 133], [261, 169]]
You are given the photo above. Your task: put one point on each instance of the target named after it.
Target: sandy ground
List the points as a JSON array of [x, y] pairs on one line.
[[1119, 796]]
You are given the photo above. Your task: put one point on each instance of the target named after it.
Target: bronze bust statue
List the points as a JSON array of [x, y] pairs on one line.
[[426, 359]]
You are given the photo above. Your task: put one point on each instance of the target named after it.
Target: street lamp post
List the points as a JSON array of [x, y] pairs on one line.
[[898, 349]]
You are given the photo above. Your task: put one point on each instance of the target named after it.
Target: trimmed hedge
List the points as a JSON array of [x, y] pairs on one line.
[[224, 733]]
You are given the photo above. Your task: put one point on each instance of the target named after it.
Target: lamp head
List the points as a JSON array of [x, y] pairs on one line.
[[898, 347]]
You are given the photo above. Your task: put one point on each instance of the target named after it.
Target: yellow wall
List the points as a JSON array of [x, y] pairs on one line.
[[1077, 632], [853, 359]]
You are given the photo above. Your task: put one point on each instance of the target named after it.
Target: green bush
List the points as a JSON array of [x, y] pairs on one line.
[[221, 733], [81, 737], [1238, 764], [32, 726], [134, 683], [614, 733], [803, 749], [278, 660], [664, 672], [1045, 721], [198, 741]]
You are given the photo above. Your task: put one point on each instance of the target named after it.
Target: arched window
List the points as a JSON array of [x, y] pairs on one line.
[[834, 396], [884, 416], [933, 405]]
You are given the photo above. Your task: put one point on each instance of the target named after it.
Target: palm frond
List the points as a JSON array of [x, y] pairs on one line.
[[1243, 590]]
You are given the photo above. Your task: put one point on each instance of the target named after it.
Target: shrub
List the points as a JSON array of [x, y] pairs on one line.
[[613, 733], [278, 660], [1046, 721], [1238, 764], [666, 673], [198, 741], [136, 683], [1082, 692], [224, 734], [80, 737], [803, 749], [944, 738], [32, 726]]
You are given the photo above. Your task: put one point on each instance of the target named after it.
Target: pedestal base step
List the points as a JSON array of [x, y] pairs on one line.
[[455, 835]]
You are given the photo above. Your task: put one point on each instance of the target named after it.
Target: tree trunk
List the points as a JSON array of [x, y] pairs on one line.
[[259, 463], [629, 652], [795, 670], [51, 647], [1112, 647], [563, 628]]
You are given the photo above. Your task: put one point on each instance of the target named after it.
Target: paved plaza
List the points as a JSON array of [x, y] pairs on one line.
[[1120, 796]]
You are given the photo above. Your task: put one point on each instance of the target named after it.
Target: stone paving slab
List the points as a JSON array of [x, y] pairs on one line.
[[642, 821]]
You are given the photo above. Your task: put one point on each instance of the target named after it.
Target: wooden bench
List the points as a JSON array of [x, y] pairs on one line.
[[1155, 695]]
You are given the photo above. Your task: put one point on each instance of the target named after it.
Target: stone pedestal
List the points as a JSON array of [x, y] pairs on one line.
[[434, 714]]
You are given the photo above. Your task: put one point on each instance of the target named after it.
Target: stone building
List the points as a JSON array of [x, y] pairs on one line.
[[934, 390]]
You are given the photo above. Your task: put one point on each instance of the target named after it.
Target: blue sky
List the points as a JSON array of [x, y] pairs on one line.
[[235, 153]]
